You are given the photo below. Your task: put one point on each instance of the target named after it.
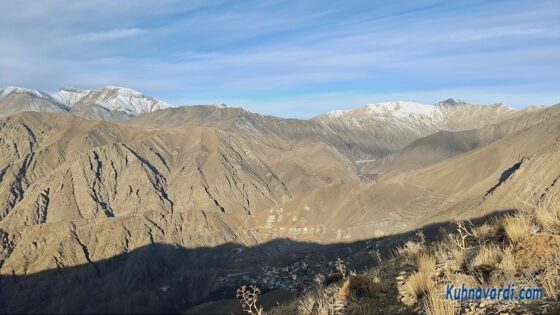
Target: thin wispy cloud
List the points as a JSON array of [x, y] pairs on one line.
[[283, 57], [113, 34]]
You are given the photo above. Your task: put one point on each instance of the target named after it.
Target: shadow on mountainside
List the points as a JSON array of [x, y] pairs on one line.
[[163, 278]]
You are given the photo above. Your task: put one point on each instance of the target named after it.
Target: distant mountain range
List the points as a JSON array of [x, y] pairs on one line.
[[109, 103], [113, 201], [369, 132]]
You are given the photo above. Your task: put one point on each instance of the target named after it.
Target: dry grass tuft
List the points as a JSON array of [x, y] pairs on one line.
[[377, 283], [354, 286], [550, 283], [419, 283], [547, 214], [484, 232], [320, 302], [517, 228], [426, 263], [508, 261], [466, 279], [410, 250], [488, 257], [458, 259], [435, 304]]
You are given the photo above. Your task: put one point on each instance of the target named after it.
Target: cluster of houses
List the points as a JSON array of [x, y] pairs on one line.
[[298, 276], [295, 277]]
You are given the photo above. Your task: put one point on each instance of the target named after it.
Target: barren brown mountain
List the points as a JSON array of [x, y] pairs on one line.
[[161, 212]]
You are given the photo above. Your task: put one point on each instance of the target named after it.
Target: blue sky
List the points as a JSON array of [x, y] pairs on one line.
[[288, 58]]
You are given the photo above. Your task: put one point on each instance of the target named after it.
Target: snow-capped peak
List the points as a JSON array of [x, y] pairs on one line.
[[126, 100], [116, 98], [338, 113], [397, 109], [69, 95], [122, 99], [123, 90], [18, 90], [408, 109], [406, 115], [400, 109], [72, 89]]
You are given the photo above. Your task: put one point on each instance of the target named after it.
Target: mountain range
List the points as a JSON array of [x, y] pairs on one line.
[[109, 103], [89, 179]]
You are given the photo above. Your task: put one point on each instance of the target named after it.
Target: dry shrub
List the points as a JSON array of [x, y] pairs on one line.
[[377, 283], [310, 305], [484, 232], [290, 307], [436, 304], [507, 264], [419, 283], [426, 263], [547, 213], [354, 286], [445, 258], [550, 282], [451, 254], [320, 302], [488, 257], [463, 234], [410, 250], [517, 228], [537, 252], [441, 253], [341, 267], [248, 297], [458, 259]]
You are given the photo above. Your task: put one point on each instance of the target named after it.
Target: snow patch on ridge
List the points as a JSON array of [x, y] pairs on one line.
[[397, 109], [338, 113], [401, 109], [69, 96], [18, 90], [112, 98], [122, 99]]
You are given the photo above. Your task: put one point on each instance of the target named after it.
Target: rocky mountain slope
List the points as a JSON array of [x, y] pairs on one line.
[[175, 206], [491, 178], [77, 191]]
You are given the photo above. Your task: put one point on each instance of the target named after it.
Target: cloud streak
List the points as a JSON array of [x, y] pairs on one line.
[[113, 34]]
